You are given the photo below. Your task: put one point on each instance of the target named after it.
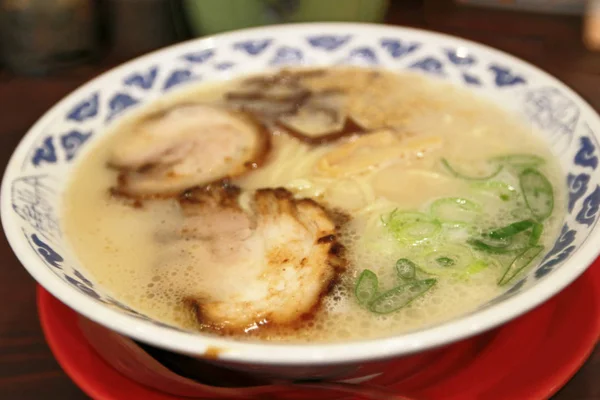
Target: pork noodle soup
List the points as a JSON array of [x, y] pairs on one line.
[[314, 205]]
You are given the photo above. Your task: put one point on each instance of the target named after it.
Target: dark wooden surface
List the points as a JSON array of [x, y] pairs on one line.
[[27, 368]]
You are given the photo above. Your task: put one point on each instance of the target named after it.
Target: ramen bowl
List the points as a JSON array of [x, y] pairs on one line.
[[42, 164]]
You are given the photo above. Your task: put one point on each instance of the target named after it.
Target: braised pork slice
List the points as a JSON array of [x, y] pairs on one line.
[[286, 103], [185, 146], [267, 263]]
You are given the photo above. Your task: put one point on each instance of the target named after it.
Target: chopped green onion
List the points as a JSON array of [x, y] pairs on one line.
[[418, 230], [503, 190], [411, 225], [519, 263], [400, 296], [398, 218], [537, 192], [460, 175], [406, 269], [455, 209], [476, 267], [511, 230], [366, 287], [522, 212], [536, 233], [458, 232], [520, 160], [467, 226], [445, 261], [509, 239], [498, 248]]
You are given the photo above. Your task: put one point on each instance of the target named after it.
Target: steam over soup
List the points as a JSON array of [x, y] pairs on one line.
[[314, 205]]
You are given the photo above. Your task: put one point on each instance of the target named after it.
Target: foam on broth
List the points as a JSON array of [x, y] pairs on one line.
[[119, 247]]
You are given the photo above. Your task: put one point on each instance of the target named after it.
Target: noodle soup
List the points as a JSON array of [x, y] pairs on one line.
[[314, 205]]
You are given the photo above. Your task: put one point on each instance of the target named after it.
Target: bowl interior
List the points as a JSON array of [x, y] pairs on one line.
[[40, 167]]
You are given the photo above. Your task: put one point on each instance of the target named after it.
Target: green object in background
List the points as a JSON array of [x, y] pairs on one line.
[[213, 16]]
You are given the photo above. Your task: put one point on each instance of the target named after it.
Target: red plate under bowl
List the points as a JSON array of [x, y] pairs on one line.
[[531, 357]]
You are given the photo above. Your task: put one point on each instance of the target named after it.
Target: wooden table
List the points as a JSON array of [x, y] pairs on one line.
[[27, 368]]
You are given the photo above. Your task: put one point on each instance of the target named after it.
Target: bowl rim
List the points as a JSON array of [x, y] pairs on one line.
[[264, 353]]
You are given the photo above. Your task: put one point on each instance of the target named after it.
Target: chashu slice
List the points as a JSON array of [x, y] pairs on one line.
[[269, 263], [186, 146]]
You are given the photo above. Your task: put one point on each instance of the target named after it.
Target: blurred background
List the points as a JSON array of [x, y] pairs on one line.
[[40, 37]]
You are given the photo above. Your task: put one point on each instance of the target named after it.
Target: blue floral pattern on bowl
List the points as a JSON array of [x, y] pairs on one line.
[[36, 176]]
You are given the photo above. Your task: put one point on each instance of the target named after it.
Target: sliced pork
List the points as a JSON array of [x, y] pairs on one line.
[[186, 146], [269, 258], [286, 103]]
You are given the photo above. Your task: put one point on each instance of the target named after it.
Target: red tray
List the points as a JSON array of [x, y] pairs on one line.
[[531, 357]]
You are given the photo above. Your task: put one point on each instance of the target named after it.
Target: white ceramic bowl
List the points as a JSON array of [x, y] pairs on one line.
[[41, 165]]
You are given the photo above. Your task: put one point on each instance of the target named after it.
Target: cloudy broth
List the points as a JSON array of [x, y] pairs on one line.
[[427, 192]]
